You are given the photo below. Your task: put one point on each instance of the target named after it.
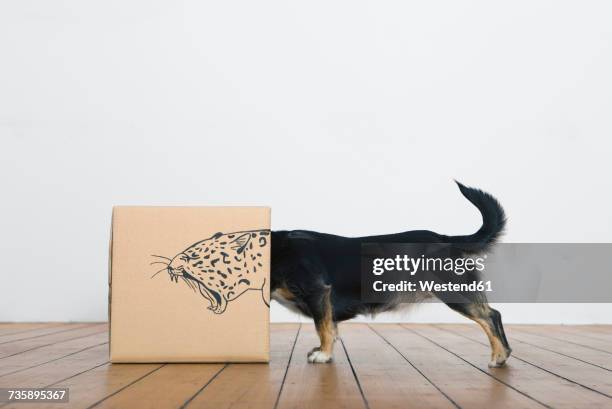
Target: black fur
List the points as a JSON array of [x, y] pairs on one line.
[[306, 263]]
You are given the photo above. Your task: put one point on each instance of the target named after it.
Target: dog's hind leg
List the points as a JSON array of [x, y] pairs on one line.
[[322, 311], [490, 321]]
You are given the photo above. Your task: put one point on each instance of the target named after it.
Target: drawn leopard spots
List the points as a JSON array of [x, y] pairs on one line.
[[217, 267]]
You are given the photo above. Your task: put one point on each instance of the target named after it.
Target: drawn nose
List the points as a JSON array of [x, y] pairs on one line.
[[173, 274], [178, 263], [176, 267]]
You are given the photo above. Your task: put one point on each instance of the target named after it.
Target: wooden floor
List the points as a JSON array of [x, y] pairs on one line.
[[376, 366]]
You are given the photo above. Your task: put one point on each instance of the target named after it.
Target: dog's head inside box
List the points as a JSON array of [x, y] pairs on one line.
[[190, 284]]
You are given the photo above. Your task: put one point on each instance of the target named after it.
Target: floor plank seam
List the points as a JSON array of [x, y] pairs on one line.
[[76, 374], [560, 353], [534, 365], [415, 368], [124, 387], [589, 336], [52, 343], [30, 330], [188, 401], [477, 368], [280, 390], [47, 334], [569, 342], [53, 360], [365, 400], [63, 380]]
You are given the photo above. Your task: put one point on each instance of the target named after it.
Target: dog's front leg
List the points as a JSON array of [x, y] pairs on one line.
[[322, 312]]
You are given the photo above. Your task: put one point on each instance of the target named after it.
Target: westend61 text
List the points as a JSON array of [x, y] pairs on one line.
[[409, 286]]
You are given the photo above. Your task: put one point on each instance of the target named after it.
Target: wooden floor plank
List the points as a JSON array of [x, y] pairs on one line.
[[387, 379], [94, 385], [531, 380], [464, 384], [603, 332], [568, 368], [378, 366], [40, 332], [50, 353], [57, 371], [251, 385], [578, 334], [319, 386], [168, 387], [20, 328], [544, 341], [18, 347], [606, 329]]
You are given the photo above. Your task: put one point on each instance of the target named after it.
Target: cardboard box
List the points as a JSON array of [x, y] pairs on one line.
[[189, 284]]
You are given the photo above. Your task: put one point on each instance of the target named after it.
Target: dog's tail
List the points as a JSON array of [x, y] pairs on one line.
[[493, 222]]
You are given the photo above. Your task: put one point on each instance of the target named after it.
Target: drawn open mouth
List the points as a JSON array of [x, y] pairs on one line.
[[212, 296]]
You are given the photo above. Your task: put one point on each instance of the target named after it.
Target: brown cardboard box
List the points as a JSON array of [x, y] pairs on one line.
[[189, 284]]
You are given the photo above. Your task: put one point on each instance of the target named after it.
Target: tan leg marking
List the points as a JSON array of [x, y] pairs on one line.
[[326, 329], [327, 333], [498, 352], [499, 355]]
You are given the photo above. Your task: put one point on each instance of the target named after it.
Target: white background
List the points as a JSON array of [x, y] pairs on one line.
[[349, 117]]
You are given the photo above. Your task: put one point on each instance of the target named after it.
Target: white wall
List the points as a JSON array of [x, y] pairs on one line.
[[349, 117]]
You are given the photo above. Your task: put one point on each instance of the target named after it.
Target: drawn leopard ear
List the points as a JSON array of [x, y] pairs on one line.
[[240, 242]]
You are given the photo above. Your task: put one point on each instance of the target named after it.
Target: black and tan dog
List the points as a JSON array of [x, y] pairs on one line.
[[318, 275]]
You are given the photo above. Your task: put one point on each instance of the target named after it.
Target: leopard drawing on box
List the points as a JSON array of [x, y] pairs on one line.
[[222, 267]]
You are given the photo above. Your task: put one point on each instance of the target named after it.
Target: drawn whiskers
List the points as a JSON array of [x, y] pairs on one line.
[[166, 264], [164, 257], [163, 269], [173, 277]]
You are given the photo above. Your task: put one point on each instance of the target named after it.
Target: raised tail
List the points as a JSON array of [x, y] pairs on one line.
[[493, 221]]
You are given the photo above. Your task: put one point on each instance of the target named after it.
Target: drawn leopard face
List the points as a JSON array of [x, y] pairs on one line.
[[224, 266]]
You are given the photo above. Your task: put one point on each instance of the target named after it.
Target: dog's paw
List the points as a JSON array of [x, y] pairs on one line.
[[313, 350], [499, 358], [316, 356], [496, 364], [498, 361]]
